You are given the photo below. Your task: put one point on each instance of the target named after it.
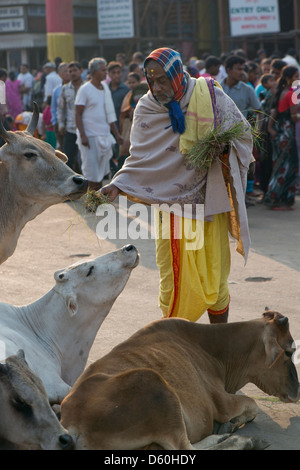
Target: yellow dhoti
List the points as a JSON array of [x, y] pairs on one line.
[[193, 272]]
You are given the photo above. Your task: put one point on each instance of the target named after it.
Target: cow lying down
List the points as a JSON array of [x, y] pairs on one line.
[[171, 382], [57, 331], [26, 419]]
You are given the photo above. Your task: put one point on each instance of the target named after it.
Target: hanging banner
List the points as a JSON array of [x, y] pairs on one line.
[[253, 17], [115, 19]]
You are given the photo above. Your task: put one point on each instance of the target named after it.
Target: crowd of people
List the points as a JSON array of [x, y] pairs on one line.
[[87, 109], [265, 91]]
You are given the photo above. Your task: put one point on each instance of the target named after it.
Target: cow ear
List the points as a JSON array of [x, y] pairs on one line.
[[21, 354], [62, 156], [272, 349], [61, 276], [72, 305], [4, 156]]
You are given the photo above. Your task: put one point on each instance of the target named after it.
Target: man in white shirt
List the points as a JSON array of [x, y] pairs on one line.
[[27, 80], [52, 80], [95, 120], [291, 58]]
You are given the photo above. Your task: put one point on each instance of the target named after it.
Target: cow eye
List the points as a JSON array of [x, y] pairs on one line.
[[21, 406], [90, 271], [29, 155]]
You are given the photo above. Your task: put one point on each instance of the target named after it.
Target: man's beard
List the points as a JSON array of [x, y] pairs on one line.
[[164, 98]]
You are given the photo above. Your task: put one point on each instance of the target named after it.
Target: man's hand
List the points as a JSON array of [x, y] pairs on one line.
[[85, 141], [111, 191]]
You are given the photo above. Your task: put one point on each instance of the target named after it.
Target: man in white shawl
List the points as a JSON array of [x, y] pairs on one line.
[[95, 119], [168, 121]]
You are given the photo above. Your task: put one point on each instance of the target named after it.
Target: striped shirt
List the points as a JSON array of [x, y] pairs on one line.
[[66, 108]]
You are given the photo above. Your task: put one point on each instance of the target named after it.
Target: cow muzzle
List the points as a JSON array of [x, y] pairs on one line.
[[296, 397], [81, 185], [65, 442], [130, 250], [291, 397]]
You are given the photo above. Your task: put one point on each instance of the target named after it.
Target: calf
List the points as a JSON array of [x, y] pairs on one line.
[[168, 384], [57, 331], [33, 176], [26, 419]]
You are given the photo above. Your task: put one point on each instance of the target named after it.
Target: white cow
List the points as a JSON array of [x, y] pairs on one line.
[[27, 420], [57, 331], [33, 176]]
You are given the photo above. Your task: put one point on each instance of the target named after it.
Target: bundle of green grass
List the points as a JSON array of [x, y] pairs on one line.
[[211, 147]]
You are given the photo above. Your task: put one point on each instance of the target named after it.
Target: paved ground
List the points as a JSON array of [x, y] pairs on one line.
[[64, 234]]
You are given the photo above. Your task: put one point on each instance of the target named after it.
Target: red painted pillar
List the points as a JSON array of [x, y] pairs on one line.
[[60, 37]]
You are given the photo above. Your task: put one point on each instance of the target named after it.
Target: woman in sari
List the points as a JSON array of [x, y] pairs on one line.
[[282, 186], [13, 88]]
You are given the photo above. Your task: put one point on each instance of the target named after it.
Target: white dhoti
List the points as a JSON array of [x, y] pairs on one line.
[[96, 157]]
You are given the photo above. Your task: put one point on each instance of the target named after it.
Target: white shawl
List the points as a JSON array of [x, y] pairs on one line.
[[157, 173]]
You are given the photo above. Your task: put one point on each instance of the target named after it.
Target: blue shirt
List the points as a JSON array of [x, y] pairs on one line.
[[118, 96], [260, 89], [244, 97]]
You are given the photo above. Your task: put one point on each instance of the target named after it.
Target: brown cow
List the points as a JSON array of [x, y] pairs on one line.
[[32, 178], [168, 384]]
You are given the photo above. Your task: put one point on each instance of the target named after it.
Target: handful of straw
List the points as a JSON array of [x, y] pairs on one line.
[[92, 199], [213, 144]]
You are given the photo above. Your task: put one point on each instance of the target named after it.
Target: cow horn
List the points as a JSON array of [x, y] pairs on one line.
[[3, 132], [3, 369], [34, 119], [21, 354]]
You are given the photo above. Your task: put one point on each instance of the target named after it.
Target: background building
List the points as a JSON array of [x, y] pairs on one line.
[[191, 26], [23, 32]]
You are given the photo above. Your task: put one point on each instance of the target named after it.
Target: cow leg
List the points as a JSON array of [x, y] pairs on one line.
[[228, 442], [57, 393], [239, 410]]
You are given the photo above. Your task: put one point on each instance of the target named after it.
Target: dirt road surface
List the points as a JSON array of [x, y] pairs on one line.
[[65, 233]]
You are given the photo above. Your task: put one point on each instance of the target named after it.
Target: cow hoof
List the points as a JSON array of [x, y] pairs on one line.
[[226, 428], [259, 444], [241, 443], [250, 443]]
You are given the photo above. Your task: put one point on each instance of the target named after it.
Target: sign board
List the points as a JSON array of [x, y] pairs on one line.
[[253, 17], [115, 19], [11, 25], [8, 12]]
